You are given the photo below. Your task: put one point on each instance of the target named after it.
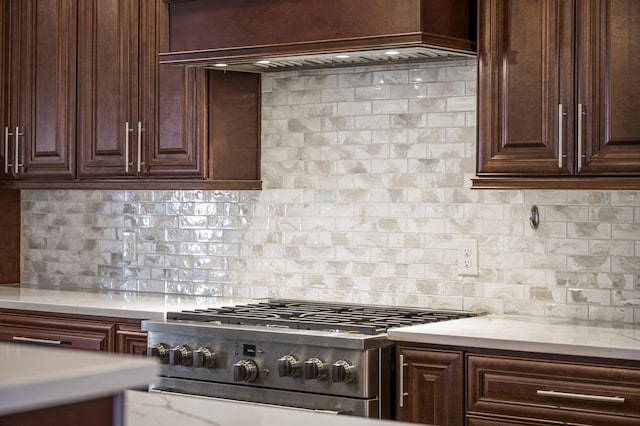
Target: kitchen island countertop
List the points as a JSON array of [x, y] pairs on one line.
[[530, 334], [34, 377], [158, 409], [133, 305]]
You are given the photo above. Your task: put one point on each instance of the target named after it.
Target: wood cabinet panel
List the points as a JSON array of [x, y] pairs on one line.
[[105, 411], [558, 94], [608, 86], [548, 391], [10, 247], [76, 331], [107, 99], [525, 73], [58, 331], [430, 386], [131, 339], [39, 121], [205, 30]]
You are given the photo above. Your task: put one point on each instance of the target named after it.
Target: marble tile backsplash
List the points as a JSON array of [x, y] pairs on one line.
[[366, 194]]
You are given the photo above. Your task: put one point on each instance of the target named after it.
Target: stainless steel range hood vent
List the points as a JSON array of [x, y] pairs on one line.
[[341, 59]]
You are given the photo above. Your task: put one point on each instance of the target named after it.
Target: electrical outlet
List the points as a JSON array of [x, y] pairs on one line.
[[468, 257], [129, 246]]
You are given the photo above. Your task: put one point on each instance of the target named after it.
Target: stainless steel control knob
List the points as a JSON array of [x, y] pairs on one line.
[[343, 372], [245, 371], [315, 369], [204, 358], [181, 355], [160, 351], [289, 366]]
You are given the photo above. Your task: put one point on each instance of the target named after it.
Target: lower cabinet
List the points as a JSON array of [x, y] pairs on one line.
[[430, 386], [73, 331], [482, 387], [531, 391]]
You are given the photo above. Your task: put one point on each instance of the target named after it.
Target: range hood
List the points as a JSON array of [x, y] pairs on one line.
[[276, 35]]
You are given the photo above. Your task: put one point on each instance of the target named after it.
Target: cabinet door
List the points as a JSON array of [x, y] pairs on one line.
[[430, 387], [4, 88], [130, 339], [525, 87], [107, 75], [608, 86], [173, 108], [40, 80]]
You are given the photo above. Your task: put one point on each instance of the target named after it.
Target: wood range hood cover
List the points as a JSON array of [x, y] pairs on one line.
[[273, 35]]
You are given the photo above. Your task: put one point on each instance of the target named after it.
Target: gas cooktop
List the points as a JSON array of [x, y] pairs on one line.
[[308, 315]]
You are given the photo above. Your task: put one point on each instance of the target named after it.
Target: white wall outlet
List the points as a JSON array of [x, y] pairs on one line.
[[468, 257], [129, 246]]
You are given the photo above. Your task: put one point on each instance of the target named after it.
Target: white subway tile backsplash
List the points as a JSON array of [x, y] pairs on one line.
[[366, 175]]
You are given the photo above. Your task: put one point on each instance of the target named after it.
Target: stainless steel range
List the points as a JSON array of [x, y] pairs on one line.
[[310, 355]]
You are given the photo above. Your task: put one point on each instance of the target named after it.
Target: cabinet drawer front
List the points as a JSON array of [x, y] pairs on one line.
[[555, 391]]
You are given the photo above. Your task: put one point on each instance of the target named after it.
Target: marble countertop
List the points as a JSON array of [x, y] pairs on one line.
[[158, 409], [33, 377], [108, 304], [530, 334]]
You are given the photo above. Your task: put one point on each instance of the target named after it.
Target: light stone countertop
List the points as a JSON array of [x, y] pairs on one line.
[[33, 377], [131, 305], [530, 334], [156, 409]]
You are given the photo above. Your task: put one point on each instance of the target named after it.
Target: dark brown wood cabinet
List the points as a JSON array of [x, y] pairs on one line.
[[430, 386], [135, 117], [557, 94], [37, 103], [85, 103], [73, 331], [441, 385], [526, 391]]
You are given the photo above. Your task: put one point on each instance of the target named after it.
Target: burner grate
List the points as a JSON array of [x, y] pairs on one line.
[[303, 315]]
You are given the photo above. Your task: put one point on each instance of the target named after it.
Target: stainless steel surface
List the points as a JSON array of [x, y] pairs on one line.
[[342, 59], [581, 397], [127, 130], [297, 400], [16, 153], [36, 341], [139, 159], [561, 115], [311, 355], [401, 392], [6, 149], [581, 112]]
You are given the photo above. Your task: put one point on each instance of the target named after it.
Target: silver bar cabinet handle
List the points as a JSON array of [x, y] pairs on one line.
[[140, 130], [38, 341], [582, 397], [6, 149], [126, 146], [16, 138], [402, 392], [581, 112], [561, 115]]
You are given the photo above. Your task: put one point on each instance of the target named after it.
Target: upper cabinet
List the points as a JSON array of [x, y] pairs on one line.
[[557, 94], [37, 102], [101, 93], [135, 117]]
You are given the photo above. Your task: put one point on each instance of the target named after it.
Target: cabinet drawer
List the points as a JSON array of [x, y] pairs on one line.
[[553, 391], [56, 331]]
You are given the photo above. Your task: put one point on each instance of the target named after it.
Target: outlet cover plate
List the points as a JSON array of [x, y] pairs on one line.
[[468, 257]]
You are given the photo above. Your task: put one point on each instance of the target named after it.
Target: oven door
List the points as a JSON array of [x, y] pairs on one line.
[[288, 399]]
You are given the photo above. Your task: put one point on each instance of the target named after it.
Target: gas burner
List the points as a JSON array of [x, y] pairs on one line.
[[302, 315]]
